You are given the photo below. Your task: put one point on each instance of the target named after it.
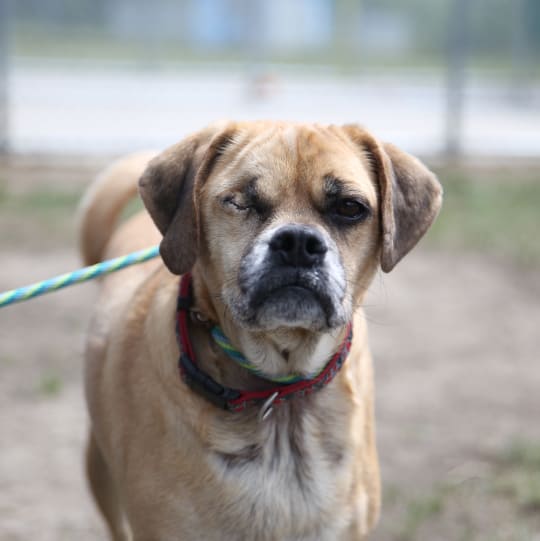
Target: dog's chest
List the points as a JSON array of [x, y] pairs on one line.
[[287, 478]]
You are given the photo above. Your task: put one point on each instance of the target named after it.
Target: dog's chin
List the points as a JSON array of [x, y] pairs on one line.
[[293, 307]]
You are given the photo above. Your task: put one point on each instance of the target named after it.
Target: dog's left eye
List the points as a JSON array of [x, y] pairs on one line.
[[350, 210]]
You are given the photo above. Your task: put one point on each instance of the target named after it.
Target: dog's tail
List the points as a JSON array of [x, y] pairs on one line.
[[104, 201]]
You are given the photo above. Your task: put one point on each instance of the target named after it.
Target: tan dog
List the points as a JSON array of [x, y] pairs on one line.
[[283, 227]]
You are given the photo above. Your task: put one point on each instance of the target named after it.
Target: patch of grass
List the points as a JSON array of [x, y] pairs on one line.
[[524, 454], [420, 510], [38, 217], [519, 476], [392, 495], [3, 191], [45, 217], [52, 201], [43, 201], [492, 507], [50, 385], [497, 215], [502, 504]]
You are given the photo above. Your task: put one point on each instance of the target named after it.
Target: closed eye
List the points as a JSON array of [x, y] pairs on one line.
[[231, 202], [240, 204]]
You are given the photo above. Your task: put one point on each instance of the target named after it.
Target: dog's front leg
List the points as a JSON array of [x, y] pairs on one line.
[[104, 491]]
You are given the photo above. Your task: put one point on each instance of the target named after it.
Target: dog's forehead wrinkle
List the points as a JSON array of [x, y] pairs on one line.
[[249, 155], [290, 140]]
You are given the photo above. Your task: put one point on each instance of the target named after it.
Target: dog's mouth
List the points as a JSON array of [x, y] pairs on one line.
[[290, 299], [295, 291]]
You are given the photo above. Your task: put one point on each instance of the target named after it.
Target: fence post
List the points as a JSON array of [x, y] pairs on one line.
[[4, 9], [521, 49], [455, 82]]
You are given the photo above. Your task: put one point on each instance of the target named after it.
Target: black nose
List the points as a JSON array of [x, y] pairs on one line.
[[298, 245]]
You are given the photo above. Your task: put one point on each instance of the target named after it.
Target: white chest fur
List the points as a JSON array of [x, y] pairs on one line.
[[288, 477]]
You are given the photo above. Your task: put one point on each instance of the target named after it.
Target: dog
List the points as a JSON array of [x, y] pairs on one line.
[[240, 406]]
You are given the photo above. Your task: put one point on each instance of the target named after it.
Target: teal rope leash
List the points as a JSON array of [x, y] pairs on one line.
[[76, 277]]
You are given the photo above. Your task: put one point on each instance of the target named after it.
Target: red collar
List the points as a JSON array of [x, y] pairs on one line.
[[233, 399]]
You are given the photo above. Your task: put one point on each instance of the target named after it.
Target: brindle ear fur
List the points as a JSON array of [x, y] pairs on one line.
[[410, 196], [168, 188]]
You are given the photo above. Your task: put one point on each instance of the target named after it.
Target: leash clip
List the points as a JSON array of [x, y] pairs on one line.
[[267, 408]]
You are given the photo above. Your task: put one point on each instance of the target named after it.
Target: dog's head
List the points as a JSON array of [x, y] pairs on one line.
[[288, 223]]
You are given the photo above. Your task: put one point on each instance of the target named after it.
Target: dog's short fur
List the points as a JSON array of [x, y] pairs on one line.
[[232, 202]]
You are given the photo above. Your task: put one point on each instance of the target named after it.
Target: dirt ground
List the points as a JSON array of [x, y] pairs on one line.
[[455, 337]]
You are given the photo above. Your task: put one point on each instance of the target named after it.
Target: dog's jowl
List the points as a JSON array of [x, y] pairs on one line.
[[229, 384]]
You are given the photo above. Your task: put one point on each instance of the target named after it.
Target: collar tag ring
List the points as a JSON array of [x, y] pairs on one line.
[[266, 408]]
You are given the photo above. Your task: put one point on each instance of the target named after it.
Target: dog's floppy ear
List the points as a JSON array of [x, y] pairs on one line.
[[168, 188], [410, 195]]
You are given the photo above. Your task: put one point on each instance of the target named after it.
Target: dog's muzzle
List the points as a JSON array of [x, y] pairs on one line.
[[291, 277]]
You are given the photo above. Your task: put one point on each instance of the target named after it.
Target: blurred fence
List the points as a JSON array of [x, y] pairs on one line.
[[446, 77], [3, 76]]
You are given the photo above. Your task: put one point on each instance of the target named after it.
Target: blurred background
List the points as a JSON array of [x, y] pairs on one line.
[[454, 329]]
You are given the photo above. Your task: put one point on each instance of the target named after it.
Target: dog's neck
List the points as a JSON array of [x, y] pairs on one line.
[[280, 352], [286, 351]]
